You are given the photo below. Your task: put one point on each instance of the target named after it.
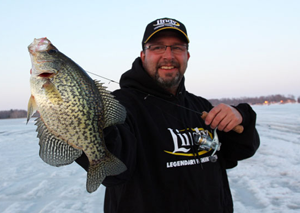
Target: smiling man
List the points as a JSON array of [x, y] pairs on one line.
[[165, 58], [167, 170]]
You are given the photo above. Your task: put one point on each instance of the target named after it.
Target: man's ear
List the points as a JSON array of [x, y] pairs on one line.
[[142, 55]]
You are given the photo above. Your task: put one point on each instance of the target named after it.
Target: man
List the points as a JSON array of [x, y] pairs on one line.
[[167, 172]]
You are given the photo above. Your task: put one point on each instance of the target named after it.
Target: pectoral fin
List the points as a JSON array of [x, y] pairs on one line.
[[52, 93], [54, 151], [32, 107]]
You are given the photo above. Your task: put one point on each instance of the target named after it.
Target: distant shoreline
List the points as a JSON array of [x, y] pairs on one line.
[[263, 100], [15, 113]]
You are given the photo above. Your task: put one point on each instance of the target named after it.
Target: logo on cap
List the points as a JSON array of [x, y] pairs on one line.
[[165, 23]]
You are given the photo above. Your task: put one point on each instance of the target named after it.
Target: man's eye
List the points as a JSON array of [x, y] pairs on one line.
[[177, 48], [157, 47]]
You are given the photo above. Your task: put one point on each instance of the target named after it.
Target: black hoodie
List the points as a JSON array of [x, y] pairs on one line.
[[166, 172]]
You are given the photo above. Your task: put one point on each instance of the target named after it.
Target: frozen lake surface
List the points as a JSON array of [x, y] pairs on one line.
[[269, 182]]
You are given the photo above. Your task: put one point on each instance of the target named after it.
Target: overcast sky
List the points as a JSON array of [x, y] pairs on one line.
[[238, 48]]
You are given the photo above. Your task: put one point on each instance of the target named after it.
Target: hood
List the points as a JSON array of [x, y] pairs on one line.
[[137, 78]]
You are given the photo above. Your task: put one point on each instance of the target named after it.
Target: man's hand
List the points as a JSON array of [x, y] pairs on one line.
[[224, 117]]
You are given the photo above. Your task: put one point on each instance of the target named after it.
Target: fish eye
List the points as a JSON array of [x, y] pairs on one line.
[[52, 51]]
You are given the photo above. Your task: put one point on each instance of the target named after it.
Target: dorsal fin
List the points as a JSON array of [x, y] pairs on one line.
[[114, 112]]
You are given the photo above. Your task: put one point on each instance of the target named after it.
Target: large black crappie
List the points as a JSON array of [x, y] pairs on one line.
[[74, 110]]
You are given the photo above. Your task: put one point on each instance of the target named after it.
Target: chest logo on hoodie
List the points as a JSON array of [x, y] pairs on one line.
[[183, 140]]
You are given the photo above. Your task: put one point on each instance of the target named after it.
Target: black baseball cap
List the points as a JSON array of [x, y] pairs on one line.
[[163, 24]]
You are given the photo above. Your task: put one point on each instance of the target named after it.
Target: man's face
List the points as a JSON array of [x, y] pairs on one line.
[[166, 68]]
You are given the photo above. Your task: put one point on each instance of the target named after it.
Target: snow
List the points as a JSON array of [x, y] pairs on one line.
[[27, 184], [269, 182]]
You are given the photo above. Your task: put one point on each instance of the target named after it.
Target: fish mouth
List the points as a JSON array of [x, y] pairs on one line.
[[46, 75]]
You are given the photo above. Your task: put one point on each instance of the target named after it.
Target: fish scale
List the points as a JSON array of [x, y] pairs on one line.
[[74, 110]]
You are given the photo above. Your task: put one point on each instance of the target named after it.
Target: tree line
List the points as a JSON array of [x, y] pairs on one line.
[[14, 113], [271, 99]]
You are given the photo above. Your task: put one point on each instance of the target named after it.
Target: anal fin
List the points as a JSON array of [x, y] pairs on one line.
[[54, 151]]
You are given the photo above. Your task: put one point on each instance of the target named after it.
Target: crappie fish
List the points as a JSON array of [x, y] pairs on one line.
[[74, 110]]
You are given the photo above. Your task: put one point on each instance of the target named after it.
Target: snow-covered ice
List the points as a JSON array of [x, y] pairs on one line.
[[269, 182], [27, 184]]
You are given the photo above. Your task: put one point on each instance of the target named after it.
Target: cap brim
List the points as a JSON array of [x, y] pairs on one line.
[[165, 28]]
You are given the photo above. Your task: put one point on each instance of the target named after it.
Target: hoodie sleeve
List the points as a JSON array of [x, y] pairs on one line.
[[237, 146]]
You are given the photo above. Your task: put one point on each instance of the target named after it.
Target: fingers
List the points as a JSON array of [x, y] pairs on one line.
[[224, 117]]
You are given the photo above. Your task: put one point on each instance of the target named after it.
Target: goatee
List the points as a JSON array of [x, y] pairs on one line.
[[168, 84]]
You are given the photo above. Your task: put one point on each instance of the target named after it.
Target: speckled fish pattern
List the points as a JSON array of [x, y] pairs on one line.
[[74, 110]]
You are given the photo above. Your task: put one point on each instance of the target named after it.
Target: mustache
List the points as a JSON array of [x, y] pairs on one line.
[[168, 63]]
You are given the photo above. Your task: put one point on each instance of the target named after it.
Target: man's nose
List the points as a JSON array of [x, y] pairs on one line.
[[168, 53]]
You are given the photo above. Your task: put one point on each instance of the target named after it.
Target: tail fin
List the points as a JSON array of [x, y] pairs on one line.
[[108, 166]]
